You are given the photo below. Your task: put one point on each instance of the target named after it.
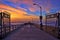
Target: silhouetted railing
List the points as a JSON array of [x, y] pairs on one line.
[[5, 32], [5, 25], [53, 24]]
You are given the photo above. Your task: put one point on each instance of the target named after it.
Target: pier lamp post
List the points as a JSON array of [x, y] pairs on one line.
[[41, 25]]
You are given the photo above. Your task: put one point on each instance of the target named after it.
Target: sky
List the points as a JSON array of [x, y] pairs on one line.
[[21, 9]]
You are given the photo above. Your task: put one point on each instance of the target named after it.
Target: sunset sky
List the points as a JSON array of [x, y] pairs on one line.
[[24, 9]]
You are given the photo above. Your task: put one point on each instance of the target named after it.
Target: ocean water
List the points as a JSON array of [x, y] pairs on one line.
[[50, 22]]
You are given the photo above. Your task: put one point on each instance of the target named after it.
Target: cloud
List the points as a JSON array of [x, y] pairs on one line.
[[32, 9], [23, 9], [47, 6], [27, 1], [16, 14], [11, 8], [18, 2], [14, 1]]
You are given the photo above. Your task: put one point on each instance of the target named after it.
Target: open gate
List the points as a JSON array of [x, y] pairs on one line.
[[53, 24], [4, 24]]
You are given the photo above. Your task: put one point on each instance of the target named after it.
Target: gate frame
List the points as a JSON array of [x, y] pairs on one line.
[[57, 22], [4, 15]]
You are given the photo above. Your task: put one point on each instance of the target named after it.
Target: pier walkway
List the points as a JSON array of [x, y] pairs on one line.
[[29, 32]]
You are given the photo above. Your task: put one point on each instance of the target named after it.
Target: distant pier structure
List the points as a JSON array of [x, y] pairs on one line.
[[4, 24], [53, 24]]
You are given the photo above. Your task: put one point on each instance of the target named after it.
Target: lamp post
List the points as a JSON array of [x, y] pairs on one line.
[[41, 25]]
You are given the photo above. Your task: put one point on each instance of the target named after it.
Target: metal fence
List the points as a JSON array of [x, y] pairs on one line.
[[4, 24], [53, 24]]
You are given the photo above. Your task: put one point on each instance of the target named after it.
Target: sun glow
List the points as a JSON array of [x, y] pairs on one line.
[[18, 15]]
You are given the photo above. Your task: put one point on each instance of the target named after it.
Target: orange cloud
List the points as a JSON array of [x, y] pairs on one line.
[[17, 11], [21, 1], [27, 1], [32, 9], [18, 15]]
